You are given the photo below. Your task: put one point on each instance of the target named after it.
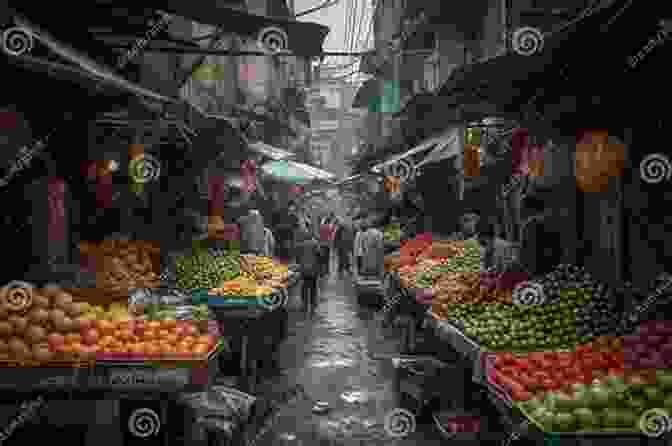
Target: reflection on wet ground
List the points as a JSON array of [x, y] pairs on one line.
[[347, 392]]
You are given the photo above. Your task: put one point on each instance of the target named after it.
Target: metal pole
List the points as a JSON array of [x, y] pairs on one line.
[[186, 49]]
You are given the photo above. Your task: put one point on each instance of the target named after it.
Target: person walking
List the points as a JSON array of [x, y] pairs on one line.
[[344, 240], [327, 229], [308, 259], [269, 243]]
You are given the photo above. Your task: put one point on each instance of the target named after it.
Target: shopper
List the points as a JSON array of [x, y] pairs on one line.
[[541, 246], [327, 229], [269, 243], [500, 258], [308, 260], [360, 227], [372, 253], [344, 240]]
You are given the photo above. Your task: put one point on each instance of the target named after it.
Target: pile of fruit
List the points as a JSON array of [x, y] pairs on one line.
[[650, 346], [54, 327], [465, 288], [588, 389], [571, 276], [202, 269], [242, 287], [123, 264], [392, 232], [467, 260], [264, 267], [519, 327]]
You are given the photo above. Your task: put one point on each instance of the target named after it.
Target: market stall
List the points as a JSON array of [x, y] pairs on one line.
[[558, 357]]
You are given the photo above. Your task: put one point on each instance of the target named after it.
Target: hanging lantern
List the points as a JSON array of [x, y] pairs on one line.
[[248, 173], [471, 160], [598, 158], [473, 136], [534, 161], [392, 184]]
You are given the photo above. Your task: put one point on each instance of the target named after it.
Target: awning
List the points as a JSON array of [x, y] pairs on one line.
[[445, 144], [104, 74], [304, 38], [449, 147], [295, 172], [269, 151], [499, 86]]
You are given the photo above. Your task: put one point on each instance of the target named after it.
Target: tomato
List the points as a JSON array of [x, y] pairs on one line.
[[617, 359], [540, 376], [507, 357], [521, 395], [90, 337], [510, 371], [550, 384], [522, 364], [527, 381], [616, 371]]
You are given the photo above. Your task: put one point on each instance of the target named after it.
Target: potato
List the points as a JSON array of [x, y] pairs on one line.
[[51, 290], [6, 329], [40, 301], [19, 323], [38, 316], [62, 301]]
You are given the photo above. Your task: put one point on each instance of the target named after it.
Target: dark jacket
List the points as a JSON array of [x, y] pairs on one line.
[[308, 257], [345, 237]]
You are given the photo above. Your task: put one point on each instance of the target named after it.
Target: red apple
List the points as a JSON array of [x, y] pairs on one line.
[[85, 325], [56, 341], [192, 330], [90, 337]]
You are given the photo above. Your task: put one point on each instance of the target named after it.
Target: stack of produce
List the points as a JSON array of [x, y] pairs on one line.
[[124, 264], [467, 259], [650, 347], [520, 327], [392, 232], [530, 375], [464, 288], [574, 277], [411, 249], [264, 267], [392, 262], [54, 327], [586, 390], [201, 269], [242, 287]]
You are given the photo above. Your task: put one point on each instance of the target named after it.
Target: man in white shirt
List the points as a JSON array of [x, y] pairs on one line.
[[269, 243]]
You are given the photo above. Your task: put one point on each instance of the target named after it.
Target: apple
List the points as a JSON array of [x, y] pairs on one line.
[[90, 337], [56, 341], [191, 330]]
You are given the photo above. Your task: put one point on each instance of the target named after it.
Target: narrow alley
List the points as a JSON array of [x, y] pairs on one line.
[[339, 356]]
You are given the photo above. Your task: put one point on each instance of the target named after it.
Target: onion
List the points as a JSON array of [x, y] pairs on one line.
[[42, 353], [4, 311], [65, 325], [56, 315], [36, 334], [664, 328], [62, 301], [51, 290], [6, 329], [654, 339], [19, 323], [631, 340], [76, 309], [41, 301], [4, 347], [38, 316], [644, 330], [18, 348]]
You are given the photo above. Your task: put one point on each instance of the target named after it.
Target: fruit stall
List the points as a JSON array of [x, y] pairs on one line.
[[245, 292], [559, 356]]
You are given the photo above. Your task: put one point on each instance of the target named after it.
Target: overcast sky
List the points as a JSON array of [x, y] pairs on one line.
[[334, 18]]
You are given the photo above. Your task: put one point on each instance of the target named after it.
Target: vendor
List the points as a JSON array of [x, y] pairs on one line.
[[541, 246]]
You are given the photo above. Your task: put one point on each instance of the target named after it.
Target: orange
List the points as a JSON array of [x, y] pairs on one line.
[[163, 334], [169, 324], [150, 335], [171, 339], [73, 338]]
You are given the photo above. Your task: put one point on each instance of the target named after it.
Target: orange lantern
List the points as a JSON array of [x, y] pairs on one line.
[[598, 158], [471, 161], [535, 161]]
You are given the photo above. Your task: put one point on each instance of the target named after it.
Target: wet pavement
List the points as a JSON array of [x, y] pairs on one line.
[[335, 357]]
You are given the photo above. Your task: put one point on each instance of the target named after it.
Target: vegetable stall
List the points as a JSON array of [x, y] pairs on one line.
[[558, 356]]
